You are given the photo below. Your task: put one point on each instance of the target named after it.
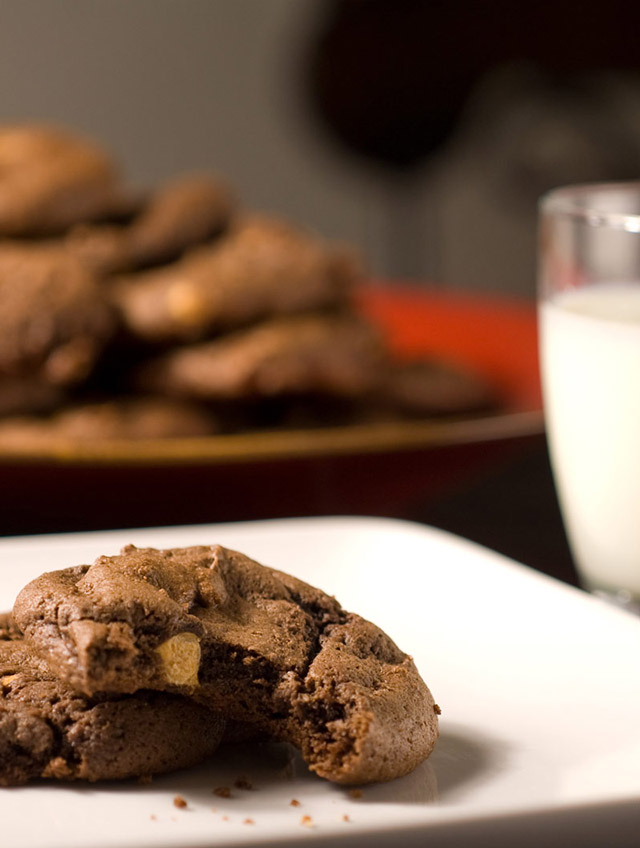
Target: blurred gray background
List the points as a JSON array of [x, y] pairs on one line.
[[423, 131], [174, 85]]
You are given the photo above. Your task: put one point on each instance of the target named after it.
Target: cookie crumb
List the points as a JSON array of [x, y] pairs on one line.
[[437, 710], [179, 802], [243, 783], [345, 818], [248, 821], [306, 821], [222, 792], [294, 803], [355, 793], [153, 817], [225, 818]]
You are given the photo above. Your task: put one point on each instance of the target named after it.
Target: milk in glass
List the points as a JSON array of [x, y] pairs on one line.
[[590, 360]]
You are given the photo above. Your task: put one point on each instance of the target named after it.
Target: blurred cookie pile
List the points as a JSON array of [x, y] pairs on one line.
[[175, 312]]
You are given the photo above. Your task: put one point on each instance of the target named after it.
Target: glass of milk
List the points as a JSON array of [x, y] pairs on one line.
[[589, 319]]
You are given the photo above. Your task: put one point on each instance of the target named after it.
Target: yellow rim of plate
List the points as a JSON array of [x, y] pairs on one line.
[[368, 438]]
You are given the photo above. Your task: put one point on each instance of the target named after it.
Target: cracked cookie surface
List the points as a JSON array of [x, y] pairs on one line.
[[254, 643]]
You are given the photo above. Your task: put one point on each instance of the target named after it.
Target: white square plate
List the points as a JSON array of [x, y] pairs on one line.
[[539, 686]]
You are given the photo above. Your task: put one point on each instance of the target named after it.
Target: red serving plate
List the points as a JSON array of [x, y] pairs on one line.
[[373, 468], [494, 336]]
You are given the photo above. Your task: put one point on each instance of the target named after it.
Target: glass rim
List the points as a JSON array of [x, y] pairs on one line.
[[580, 203]]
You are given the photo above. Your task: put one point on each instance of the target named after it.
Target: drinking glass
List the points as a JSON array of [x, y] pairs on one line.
[[589, 319]]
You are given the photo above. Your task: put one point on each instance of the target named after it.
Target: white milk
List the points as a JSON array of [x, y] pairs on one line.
[[590, 359]]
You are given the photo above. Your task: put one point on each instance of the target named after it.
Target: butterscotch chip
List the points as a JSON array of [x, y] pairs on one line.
[[180, 659], [275, 652], [180, 802], [49, 730]]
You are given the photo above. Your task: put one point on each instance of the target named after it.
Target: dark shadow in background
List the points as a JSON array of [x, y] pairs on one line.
[[389, 79]]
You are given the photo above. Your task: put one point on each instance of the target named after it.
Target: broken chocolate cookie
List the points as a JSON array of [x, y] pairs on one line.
[[254, 643]]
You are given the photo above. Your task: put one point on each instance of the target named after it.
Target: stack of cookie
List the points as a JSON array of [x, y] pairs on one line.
[[146, 661], [175, 312]]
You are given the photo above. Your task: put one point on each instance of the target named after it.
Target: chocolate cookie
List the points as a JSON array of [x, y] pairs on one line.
[[432, 387], [48, 730], [261, 268], [28, 395], [54, 318], [181, 214], [125, 418], [51, 179], [252, 642], [185, 212], [321, 354]]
